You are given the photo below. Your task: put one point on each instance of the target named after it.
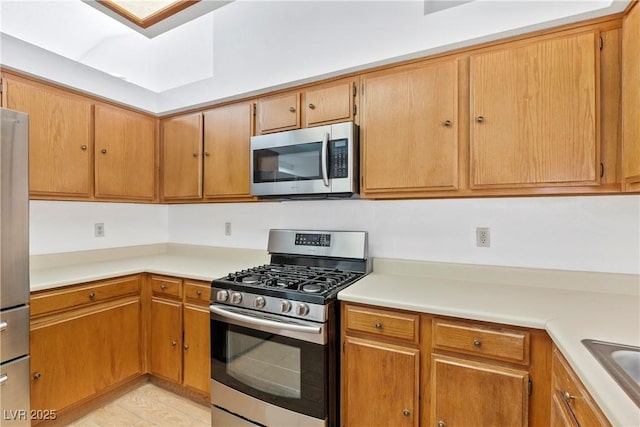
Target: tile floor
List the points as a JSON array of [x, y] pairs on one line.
[[148, 405]]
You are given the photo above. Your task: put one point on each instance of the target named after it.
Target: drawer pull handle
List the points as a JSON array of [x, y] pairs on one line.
[[442, 424], [37, 376], [92, 296], [477, 343], [198, 292], [163, 286], [186, 346], [311, 106], [447, 123], [566, 396], [378, 325], [406, 413], [174, 343], [480, 119], [292, 109], [83, 147]]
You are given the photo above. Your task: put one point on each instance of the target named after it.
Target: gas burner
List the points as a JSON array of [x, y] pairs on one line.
[[250, 280], [312, 288]]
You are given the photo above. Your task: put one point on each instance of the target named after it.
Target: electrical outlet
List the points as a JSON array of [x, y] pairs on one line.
[[483, 237], [227, 229], [98, 227]]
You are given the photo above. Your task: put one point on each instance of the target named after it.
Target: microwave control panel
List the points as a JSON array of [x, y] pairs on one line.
[[339, 159]]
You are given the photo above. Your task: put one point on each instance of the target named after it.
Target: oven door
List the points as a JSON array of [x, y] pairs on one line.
[[283, 362]]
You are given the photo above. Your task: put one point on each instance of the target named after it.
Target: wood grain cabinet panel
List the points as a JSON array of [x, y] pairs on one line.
[[60, 138], [165, 339], [409, 128], [470, 393], [181, 164], [329, 103], [125, 154], [227, 137], [383, 323], [631, 99], [380, 384], [196, 348], [279, 112], [534, 115]]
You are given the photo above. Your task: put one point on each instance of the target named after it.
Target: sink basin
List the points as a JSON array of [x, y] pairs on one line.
[[622, 362]]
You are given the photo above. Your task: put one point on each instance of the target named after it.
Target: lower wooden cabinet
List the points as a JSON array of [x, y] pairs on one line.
[[466, 393], [80, 351], [404, 368], [165, 339], [196, 348], [380, 384]]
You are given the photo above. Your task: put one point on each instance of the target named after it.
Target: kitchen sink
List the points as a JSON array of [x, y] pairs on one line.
[[621, 361]]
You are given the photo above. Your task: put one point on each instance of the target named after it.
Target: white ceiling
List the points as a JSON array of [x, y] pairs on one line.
[[250, 45]]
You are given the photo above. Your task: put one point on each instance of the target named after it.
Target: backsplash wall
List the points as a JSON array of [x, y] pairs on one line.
[[597, 233]]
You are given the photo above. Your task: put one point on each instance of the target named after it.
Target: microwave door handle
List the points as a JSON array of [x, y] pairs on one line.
[[251, 320], [325, 149]]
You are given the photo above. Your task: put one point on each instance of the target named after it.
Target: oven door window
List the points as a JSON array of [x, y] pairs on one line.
[[283, 371], [290, 163]]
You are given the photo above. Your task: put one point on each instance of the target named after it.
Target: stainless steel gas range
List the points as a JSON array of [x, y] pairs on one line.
[[275, 331]]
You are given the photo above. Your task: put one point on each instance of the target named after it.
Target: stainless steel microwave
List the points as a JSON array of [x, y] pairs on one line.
[[321, 161]]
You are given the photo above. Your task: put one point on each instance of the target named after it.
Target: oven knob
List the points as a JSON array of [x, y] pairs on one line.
[[222, 295], [259, 302], [285, 306], [302, 309], [236, 298]]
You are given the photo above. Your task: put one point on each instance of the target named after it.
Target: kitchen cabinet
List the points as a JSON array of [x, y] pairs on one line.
[[631, 99], [181, 161], [179, 338], [60, 138], [125, 154], [315, 105], [377, 346], [534, 114], [85, 340], [406, 368], [409, 125], [227, 147], [572, 406]]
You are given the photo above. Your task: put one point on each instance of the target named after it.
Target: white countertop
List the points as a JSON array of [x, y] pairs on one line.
[[570, 306], [609, 310]]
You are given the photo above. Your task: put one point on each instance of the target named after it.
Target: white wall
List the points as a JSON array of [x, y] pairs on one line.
[[69, 226], [595, 233]]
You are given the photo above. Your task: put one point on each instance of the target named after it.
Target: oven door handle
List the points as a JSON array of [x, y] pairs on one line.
[[257, 321], [325, 150]]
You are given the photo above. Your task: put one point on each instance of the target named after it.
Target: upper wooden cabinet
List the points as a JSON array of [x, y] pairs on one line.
[[60, 138], [631, 99], [181, 161], [324, 103], [409, 125], [227, 138], [125, 154], [534, 114]]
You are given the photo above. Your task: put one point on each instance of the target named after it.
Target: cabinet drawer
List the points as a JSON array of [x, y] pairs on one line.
[[197, 291], [77, 296], [571, 397], [166, 286], [386, 323], [510, 345]]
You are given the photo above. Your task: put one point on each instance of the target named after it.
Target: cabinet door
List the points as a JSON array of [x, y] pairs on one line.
[[279, 112], [380, 384], [75, 356], [631, 99], [181, 165], [227, 139], [125, 145], [468, 393], [60, 143], [533, 113], [328, 103], [197, 359], [409, 129], [166, 339]]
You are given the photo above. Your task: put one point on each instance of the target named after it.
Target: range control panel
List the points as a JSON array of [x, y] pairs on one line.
[[307, 239]]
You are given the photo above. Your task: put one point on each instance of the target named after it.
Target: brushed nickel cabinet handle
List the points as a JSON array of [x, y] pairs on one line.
[[37, 376], [103, 151], [195, 154], [378, 325], [83, 147], [480, 119], [186, 346], [292, 109], [406, 413], [92, 296], [198, 292], [174, 343], [163, 286], [207, 154], [447, 123], [442, 424], [312, 107], [477, 343]]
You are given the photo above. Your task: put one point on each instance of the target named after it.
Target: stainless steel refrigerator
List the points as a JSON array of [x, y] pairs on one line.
[[14, 269]]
